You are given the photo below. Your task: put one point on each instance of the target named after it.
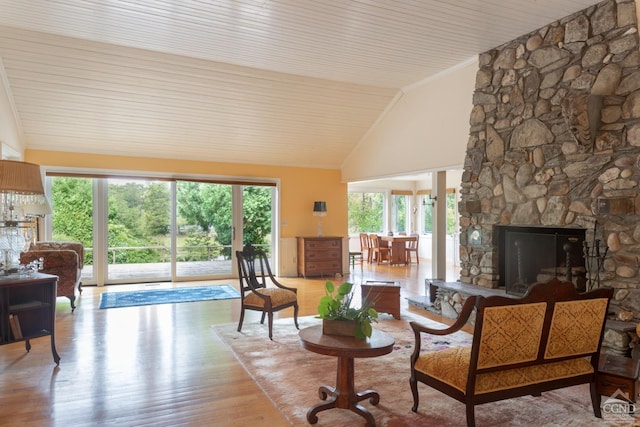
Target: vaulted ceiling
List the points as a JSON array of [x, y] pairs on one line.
[[281, 82]]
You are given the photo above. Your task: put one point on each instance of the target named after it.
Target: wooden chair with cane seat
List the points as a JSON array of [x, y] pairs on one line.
[[255, 292]]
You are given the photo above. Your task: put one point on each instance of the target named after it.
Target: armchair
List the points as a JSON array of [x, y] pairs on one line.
[[62, 259], [256, 293]]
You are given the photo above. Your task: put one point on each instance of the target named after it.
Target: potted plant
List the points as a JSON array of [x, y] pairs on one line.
[[339, 318]]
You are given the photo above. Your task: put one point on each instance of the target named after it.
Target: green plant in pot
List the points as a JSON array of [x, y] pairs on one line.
[[336, 306]]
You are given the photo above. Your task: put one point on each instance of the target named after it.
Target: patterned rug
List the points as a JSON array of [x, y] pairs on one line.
[[290, 377], [167, 296]]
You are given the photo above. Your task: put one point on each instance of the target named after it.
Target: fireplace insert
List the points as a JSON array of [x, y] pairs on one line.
[[529, 254]]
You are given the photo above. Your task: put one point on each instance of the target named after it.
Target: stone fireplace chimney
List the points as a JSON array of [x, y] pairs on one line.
[[555, 141]]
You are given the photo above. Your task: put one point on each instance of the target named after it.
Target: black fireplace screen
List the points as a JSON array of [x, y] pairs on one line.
[[529, 254]]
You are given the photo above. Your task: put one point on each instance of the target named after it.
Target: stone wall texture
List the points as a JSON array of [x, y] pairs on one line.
[[555, 141]]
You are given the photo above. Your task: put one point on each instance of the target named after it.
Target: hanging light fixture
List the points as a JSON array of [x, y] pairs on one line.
[[22, 200]]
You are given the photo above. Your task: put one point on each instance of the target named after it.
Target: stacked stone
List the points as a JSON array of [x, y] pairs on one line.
[[537, 155]]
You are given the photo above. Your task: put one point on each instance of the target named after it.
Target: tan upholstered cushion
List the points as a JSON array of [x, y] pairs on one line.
[[451, 366], [575, 327], [278, 297], [511, 334]]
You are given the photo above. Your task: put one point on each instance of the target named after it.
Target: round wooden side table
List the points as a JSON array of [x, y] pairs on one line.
[[346, 349]]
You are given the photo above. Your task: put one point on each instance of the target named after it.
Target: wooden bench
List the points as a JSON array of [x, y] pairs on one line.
[[548, 339]]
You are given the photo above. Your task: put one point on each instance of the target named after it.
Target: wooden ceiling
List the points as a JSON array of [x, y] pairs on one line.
[[280, 82]]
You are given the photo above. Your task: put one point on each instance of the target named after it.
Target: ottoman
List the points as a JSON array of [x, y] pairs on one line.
[[385, 296]]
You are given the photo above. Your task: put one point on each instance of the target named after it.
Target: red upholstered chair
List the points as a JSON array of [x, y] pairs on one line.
[[259, 290], [62, 259]]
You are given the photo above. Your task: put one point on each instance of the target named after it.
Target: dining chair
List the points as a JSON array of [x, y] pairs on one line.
[[380, 252], [255, 292], [356, 256], [412, 247], [365, 246]]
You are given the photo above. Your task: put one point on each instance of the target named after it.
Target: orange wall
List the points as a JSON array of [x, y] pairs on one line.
[[299, 187]]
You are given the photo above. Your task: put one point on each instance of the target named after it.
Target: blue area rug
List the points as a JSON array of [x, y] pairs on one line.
[[167, 296]]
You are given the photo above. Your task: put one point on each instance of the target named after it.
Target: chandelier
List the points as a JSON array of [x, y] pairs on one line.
[[22, 201]]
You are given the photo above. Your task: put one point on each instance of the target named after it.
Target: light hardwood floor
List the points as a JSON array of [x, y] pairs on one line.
[[158, 365]]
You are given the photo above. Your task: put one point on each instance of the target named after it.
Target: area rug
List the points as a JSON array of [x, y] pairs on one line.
[[167, 296], [290, 377]]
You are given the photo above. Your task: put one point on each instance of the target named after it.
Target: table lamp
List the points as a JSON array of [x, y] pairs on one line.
[[21, 198], [319, 210]]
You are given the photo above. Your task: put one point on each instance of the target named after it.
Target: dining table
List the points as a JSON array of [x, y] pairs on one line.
[[398, 245]]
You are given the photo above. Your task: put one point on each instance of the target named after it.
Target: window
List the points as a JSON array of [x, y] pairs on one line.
[[399, 205], [427, 205], [146, 229], [426, 209], [365, 212]]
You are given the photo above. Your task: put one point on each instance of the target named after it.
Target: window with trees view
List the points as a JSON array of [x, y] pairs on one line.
[[399, 204], [365, 212], [452, 212], [139, 221]]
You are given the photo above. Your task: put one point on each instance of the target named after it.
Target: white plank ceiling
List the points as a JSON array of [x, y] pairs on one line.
[[280, 82]]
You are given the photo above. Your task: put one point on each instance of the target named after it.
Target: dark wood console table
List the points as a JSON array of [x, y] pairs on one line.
[[343, 395], [28, 309]]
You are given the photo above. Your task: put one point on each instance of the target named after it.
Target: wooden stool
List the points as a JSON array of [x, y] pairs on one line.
[[385, 296], [618, 373]]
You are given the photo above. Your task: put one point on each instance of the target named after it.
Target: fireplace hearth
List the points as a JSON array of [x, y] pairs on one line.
[[530, 254]]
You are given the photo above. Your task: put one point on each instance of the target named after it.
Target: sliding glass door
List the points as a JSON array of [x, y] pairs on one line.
[[257, 217], [138, 230], [144, 230], [204, 232], [72, 218]]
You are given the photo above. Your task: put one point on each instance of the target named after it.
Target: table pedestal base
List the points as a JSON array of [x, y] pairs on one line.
[[344, 396]]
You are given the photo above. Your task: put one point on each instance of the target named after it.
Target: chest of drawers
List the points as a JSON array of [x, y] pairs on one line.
[[319, 256]]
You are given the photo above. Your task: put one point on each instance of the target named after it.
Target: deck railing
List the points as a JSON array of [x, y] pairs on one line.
[[212, 259]]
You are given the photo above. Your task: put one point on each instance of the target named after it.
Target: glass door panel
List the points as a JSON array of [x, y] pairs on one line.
[[72, 217], [204, 229], [257, 217], [139, 230]]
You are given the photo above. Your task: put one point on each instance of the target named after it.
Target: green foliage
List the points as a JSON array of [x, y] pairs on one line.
[[199, 246], [336, 305], [72, 205], [452, 212], [365, 212], [139, 217], [428, 216], [209, 207], [399, 206], [256, 214], [156, 207]]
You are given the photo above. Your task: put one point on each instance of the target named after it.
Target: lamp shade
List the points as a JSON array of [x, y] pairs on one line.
[[36, 209], [20, 178], [319, 208]]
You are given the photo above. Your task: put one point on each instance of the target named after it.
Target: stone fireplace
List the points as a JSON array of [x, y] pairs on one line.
[[555, 142], [528, 254]]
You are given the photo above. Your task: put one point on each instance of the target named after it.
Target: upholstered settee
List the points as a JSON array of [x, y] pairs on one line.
[[62, 259], [548, 339]]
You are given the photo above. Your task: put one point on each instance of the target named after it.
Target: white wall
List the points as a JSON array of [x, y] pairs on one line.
[[10, 140], [426, 129]]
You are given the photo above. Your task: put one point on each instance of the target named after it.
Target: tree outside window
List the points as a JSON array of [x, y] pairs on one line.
[[399, 212], [365, 212], [452, 212]]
